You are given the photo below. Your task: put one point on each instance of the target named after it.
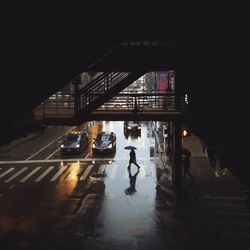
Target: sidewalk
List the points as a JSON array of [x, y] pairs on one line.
[[205, 179]]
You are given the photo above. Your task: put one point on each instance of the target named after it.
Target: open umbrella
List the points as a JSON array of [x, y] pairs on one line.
[[130, 147]]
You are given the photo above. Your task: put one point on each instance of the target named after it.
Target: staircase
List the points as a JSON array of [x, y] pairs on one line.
[[102, 89]]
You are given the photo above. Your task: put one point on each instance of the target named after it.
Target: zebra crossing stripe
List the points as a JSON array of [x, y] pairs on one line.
[[61, 170], [6, 172], [16, 174], [101, 169], [44, 174], [84, 176], [113, 172], [29, 175]]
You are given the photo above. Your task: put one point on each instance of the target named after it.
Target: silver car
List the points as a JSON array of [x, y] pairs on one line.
[[74, 142]]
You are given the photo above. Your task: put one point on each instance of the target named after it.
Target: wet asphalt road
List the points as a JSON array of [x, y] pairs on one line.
[[53, 201], [45, 193]]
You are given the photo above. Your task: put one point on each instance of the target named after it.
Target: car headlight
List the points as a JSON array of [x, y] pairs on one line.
[[129, 127], [110, 146], [62, 146], [139, 127], [93, 146], [78, 146]]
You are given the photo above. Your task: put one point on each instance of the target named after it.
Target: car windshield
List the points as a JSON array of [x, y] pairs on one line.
[[104, 137], [131, 123], [72, 138]]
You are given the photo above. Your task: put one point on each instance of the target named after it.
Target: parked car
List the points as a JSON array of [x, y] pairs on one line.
[[132, 127], [105, 142], [74, 142]]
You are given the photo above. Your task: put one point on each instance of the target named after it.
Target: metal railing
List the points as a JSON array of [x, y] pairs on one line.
[[141, 102], [64, 106], [99, 87]]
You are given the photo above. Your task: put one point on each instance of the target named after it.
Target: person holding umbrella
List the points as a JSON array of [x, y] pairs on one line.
[[132, 156], [186, 155]]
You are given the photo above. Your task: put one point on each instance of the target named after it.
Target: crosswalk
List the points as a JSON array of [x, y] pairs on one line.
[[230, 216], [53, 173]]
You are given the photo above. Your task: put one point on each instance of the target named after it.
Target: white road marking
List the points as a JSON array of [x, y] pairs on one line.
[[70, 160], [29, 175], [44, 174], [53, 153], [87, 156], [101, 169], [61, 170], [16, 174], [6, 172], [113, 172], [48, 145], [84, 176]]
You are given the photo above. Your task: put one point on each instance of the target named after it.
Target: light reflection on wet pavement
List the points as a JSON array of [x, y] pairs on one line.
[[128, 218]]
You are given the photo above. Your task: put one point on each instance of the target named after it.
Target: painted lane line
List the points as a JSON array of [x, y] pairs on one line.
[[70, 160], [101, 169], [53, 153], [16, 174], [48, 145], [6, 172], [84, 176], [44, 174], [113, 172], [86, 156], [30, 174], [61, 170]]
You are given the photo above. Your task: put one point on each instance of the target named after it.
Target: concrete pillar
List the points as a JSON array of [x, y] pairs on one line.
[[177, 171]]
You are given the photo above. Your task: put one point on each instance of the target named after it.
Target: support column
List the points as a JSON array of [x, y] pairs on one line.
[[77, 103], [177, 173]]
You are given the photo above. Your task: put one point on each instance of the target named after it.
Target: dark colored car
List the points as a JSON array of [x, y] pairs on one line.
[[132, 127], [74, 142], [105, 142]]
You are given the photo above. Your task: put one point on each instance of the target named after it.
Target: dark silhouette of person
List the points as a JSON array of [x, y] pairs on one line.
[[132, 180], [186, 155], [132, 159]]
